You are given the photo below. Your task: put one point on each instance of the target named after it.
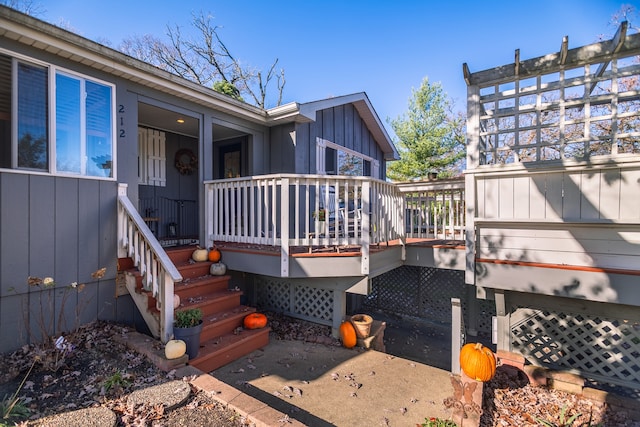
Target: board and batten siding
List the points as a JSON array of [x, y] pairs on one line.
[[609, 194], [282, 154], [573, 233], [341, 125], [64, 228]]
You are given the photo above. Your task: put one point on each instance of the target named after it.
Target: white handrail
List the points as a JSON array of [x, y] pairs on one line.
[[158, 272]]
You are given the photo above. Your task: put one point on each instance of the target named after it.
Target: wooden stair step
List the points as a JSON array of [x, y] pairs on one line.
[[180, 254], [224, 322], [193, 270], [212, 302], [206, 284], [225, 349]]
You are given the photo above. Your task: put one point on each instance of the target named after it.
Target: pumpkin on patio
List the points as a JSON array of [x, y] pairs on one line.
[[200, 255], [348, 334], [255, 321], [174, 349], [477, 362], [214, 254]]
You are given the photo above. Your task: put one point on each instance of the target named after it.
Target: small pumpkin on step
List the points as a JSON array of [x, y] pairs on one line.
[[255, 321], [200, 255], [214, 254], [217, 269]]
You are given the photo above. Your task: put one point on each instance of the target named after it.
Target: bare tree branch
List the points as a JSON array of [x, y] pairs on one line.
[[206, 59]]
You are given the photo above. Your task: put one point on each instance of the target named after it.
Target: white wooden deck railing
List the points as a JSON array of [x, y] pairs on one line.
[[434, 209], [136, 241], [314, 210], [303, 210]]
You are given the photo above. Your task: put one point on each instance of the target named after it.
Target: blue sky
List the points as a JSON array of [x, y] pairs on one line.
[[383, 48]]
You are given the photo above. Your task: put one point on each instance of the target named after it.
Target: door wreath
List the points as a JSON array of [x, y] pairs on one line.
[[186, 162]]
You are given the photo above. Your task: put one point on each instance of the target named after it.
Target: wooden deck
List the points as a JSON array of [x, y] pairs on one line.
[[343, 261], [334, 251]]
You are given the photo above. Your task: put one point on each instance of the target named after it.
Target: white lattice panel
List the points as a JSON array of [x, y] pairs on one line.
[[301, 301], [313, 302], [604, 349], [274, 295]]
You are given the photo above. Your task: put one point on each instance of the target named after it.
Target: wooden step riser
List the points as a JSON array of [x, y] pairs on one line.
[[208, 362], [218, 329], [195, 270], [187, 290], [212, 306], [180, 255], [223, 325]]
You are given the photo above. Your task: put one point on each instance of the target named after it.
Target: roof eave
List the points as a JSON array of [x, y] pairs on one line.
[[363, 106]]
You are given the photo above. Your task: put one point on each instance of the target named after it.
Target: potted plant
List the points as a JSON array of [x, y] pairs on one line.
[[320, 215], [187, 325]]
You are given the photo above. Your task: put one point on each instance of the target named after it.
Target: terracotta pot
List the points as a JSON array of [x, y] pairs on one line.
[[362, 324]]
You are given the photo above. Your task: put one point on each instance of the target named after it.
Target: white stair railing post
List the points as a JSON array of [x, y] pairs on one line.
[[166, 310]]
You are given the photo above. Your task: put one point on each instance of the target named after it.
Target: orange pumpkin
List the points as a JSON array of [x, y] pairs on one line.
[[255, 321], [477, 362], [214, 254], [348, 334]]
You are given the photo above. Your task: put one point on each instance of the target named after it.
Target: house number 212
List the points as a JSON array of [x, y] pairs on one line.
[[122, 133]]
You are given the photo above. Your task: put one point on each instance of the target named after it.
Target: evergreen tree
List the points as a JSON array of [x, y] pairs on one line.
[[430, 138]]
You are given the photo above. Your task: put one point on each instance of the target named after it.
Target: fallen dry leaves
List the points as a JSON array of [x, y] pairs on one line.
[[101, 372]]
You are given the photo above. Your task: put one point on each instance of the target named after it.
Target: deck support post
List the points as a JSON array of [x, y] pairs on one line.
[[503, 317], [456, 335], [472, 312], [339, 310]]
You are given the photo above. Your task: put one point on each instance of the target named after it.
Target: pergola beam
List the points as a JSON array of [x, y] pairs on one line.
[[621, 43], [616, 43], [564, 48]]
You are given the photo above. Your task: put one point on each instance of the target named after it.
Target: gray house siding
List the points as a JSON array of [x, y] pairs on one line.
[[66, 228], [341, 125], [62, 228], [283, 149]]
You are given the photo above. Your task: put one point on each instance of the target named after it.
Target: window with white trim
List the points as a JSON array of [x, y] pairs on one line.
[[334, 159], [53, 120]]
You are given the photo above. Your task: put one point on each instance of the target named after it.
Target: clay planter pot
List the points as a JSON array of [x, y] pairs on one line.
[[362, 325]]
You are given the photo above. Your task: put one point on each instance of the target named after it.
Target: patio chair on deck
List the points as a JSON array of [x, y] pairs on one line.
[[328, 204]]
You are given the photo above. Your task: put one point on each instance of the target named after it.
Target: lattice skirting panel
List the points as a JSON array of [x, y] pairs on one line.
[[605, 349], [295, 300], [426, 293]]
